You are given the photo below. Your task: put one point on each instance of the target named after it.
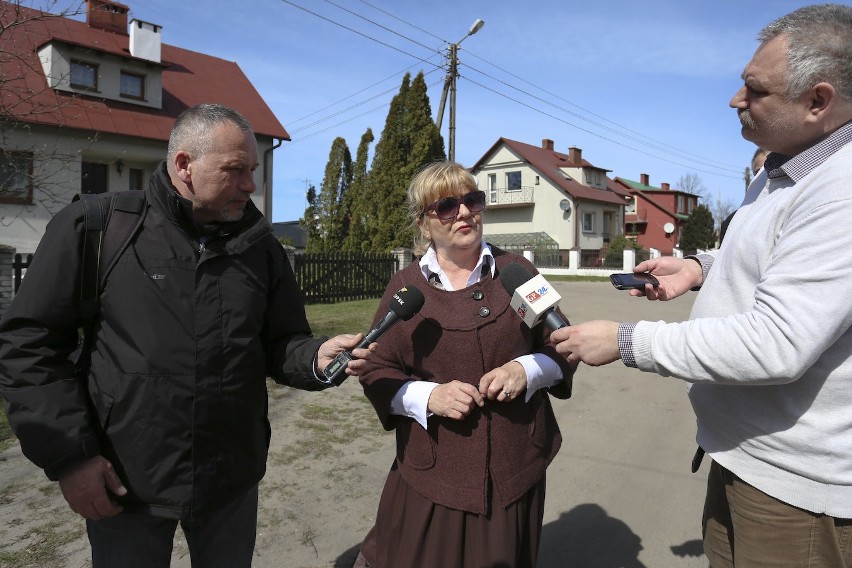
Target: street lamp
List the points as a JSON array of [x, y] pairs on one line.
[[450, 85]]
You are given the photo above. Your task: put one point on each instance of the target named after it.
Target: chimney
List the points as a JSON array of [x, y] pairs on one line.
[[643, 179], [107, 15], [547, 143], [145, 40], [664, 186], [575, 155]]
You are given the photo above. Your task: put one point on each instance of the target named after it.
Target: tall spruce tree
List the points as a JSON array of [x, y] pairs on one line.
[[358, 200], [409, 141], [331, 214]]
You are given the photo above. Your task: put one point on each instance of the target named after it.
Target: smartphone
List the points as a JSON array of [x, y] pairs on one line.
[[633, 280]]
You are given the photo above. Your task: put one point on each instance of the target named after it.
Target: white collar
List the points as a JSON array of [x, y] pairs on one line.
[[431, 269]]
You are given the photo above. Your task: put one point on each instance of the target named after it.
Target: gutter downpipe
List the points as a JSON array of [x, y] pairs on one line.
[[267, 183]]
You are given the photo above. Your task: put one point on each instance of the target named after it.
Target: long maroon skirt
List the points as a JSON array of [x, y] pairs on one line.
[[412, 531]]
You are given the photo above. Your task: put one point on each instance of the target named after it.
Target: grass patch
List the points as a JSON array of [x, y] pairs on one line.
[[7, 438], [343, 317], [45, 545]]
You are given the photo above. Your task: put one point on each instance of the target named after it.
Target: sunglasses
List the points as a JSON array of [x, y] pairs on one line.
[[448, 207]]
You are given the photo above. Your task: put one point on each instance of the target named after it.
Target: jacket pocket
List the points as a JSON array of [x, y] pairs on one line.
[[415, 446]]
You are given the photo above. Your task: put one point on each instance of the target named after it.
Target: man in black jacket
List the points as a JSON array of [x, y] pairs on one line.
[[170, 424]]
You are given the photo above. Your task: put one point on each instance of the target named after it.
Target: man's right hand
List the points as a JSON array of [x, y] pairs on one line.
[[85, 488], [676, 276]]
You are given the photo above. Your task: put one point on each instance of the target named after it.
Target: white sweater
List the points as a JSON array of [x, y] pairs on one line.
[[768, 348]]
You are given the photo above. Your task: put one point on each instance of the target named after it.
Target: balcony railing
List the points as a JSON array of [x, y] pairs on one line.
[[506, 198]]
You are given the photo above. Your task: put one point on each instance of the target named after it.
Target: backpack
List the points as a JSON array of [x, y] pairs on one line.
[[109, 225]]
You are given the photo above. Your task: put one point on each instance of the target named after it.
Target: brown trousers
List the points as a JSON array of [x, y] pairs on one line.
[[744, 527]]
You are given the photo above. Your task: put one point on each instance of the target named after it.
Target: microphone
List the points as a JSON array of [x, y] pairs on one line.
[[403, 305], [533, 298]]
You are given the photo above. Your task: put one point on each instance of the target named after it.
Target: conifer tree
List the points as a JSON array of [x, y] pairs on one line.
[[330, 210], [699, 231], [358, 200], [309, 222], [409, 141]]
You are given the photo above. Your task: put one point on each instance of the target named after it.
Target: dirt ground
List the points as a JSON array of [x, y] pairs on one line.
[[619, 493]]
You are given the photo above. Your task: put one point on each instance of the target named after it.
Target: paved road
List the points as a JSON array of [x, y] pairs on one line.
[[620, 493]]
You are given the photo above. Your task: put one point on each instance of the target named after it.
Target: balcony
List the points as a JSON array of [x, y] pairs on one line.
[[502, 197]]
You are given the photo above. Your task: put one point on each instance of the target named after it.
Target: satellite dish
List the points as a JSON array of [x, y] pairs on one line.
[[565, 205], [668, 228]]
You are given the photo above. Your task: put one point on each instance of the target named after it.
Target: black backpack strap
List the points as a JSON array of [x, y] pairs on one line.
[[109, 225], [125, 217], [94, 221]]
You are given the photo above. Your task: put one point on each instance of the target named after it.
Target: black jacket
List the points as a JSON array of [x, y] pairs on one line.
[[185, 338]]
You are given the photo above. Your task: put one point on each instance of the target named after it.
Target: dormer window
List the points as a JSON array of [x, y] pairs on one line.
[[132, 85], [84, 75]]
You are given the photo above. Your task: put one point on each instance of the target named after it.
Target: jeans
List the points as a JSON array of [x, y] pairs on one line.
[[746, 528], [222, 539]]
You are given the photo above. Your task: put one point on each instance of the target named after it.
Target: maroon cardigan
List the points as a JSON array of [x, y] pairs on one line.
[[456, 336]]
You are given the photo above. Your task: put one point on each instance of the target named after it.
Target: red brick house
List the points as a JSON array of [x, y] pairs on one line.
[[656, 215]]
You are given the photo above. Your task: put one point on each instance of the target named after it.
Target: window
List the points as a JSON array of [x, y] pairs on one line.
[[492, 187], [84, 75], [513, 181], [681, 205], [588, 222], [93, 178], [630, 207], [132, 85], [16, 177], [136, 179]]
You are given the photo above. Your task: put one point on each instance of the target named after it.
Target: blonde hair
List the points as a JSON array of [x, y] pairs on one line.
[[433, 182]]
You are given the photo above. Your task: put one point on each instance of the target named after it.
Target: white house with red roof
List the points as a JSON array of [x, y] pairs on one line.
[[92, 105], [538, 198]]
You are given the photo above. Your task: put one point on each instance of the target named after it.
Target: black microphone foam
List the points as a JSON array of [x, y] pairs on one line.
[[407, 302], [513, 276]]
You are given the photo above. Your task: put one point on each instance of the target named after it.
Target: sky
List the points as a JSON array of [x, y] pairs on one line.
[[640, 87]]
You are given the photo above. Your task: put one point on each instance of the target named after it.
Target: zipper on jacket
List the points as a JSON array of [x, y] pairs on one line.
[[202, 244]]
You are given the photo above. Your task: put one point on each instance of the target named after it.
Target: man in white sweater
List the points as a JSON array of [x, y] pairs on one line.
[[767, 351]]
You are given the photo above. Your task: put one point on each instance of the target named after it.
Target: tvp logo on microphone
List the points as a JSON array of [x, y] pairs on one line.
[[533, 298]]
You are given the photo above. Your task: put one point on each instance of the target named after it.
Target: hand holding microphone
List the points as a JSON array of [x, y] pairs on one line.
[[403, 305]]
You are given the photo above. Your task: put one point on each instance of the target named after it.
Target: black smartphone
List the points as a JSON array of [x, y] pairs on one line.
[[633, 280]]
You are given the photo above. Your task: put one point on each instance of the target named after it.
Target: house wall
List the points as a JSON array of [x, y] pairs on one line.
[[57, 164], [56, 62], [655, 236], [545, 214]]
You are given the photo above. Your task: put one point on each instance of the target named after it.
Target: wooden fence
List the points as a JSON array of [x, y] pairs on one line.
[[330, 277]]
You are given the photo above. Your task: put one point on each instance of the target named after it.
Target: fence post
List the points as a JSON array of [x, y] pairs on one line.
[[573, 259], [654, 253], [629, 260], [7, 277], [677, 253], [529, 254], [291, 256], [403, 257]]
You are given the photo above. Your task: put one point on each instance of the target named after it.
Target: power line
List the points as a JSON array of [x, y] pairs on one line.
[[538, 110], [624, 128], [643, 139], [356, 31], [381, 26]]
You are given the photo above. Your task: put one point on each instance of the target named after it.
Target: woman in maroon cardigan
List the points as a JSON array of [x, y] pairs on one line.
[[464, 383]]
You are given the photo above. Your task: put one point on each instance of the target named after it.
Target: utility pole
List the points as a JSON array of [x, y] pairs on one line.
[[450, 86]]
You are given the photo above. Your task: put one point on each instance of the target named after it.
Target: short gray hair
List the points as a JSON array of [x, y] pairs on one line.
[[819, 47], [192, 129]]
